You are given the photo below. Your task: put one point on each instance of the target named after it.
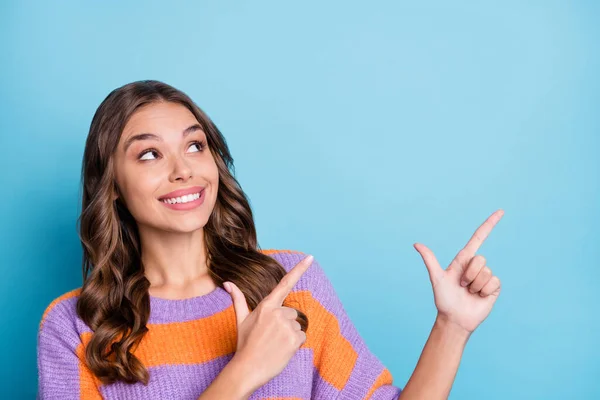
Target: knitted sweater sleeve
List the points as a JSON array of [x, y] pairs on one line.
[[61, 372], [345, 368]]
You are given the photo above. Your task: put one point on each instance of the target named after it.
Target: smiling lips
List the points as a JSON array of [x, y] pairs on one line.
[[184, 199]]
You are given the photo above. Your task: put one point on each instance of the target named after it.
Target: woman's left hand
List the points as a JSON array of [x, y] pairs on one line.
[[469, 304]]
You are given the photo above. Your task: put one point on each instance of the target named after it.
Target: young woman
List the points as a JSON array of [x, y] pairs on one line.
[[178, 300]]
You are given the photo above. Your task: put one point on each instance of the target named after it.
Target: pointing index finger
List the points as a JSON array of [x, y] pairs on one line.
[[285, 286], [478, 238]]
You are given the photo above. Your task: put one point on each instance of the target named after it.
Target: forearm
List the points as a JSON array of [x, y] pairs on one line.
[[435, 372], [231, 384]]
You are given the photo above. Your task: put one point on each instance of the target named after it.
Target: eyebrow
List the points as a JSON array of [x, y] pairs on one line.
[[147, 136]]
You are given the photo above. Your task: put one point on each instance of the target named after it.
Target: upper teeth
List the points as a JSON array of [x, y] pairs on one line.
[[182, 199]]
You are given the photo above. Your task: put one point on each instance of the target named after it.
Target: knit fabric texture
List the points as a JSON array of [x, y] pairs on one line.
[[191, 340]]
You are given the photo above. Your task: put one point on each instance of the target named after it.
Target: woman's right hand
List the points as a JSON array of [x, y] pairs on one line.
[[269, 336]]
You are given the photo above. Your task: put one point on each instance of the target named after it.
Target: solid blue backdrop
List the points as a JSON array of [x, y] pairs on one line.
[[357, 130]]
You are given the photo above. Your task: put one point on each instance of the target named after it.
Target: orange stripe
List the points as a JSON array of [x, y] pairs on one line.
[[334, 356], [88, 382], [384, 378], [184, 342], [173, 343]]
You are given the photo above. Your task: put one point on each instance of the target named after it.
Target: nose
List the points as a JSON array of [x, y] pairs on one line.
[[181, 170]]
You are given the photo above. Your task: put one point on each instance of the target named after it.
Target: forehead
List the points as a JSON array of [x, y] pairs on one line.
[[159, 118]]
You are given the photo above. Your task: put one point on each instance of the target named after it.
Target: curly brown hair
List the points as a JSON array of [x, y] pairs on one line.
[[114, 300]]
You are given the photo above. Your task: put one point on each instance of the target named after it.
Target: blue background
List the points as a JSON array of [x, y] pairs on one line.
[[358, 129]]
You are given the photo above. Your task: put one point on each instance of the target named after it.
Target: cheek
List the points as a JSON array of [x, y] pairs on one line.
[[210, 175], [141, 194], [207, 170], [215, 173], [214, 177]]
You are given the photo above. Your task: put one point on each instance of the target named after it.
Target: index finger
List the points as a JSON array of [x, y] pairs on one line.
[[468, 252], [285, 286]]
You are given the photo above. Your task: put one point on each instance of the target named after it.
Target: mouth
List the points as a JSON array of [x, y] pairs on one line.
[[182, 199], [182, 196]]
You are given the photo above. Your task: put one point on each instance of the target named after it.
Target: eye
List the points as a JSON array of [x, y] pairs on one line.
[[199, 145], [142, 155]]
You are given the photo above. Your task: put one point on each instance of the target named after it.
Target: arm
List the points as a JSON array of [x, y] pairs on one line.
[[435, 372], [61, 372], [464, 294]]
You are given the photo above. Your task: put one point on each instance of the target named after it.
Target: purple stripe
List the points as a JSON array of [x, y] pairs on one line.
[[365, 372], [164, 311], [293, 381], [387, 392], [169, 382], [57, 361], [321, 389], [188, 381]]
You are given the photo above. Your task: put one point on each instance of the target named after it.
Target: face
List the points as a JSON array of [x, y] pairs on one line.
[[166, 175]]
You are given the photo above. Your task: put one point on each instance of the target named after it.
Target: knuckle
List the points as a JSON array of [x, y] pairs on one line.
[[492, 285], [263, 313], [301, 337], [261, 308], [292, 340], [285, 281], [293, 313], [471, 271], [297, 326], [480, 259], [470, 274]]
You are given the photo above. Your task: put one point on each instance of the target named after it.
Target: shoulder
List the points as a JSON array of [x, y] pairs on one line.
[[61, 311], [313, 282], [289, 258]]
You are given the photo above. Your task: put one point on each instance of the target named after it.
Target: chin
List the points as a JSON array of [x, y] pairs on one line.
[[184, 223], [187, 225]]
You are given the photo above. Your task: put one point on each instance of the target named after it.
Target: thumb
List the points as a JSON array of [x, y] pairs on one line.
[[433, 267], [239, 302]]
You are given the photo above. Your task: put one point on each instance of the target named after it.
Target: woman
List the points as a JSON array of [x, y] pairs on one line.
[[179, 302]]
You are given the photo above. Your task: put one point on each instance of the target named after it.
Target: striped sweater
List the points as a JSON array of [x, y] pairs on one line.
[[190, 341]]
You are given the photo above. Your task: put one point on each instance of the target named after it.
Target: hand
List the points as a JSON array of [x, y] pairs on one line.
[[269, 336], [465, 305]]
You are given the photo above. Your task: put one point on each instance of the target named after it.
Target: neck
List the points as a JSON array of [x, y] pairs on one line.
[[173, 260]]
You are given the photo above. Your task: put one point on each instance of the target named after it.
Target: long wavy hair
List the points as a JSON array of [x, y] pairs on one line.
[[114, 301]]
